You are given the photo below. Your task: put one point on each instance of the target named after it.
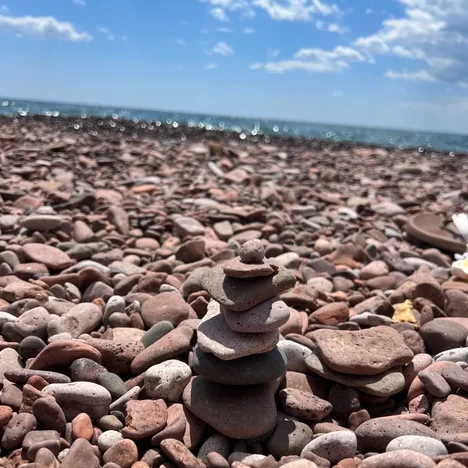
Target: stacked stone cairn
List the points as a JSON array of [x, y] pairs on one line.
[[237, 361]]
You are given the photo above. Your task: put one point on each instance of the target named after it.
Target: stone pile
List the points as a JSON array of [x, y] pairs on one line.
[[237, 360]]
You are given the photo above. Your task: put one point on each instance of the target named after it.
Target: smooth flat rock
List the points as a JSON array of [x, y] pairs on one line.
[[264, 317], [61, 353], [289, 438], [214, 336], [236, 412], [386, 384], [426, 445], [42, 222], [166, 306], [51, 257], [81, 397], [450, 419], [334, 446], [236, 268], [249, 370], [376, 434], [144, 418], [169, 346], [362, 352], [82, 318], [238, 295], [398, 459], [167, 380]]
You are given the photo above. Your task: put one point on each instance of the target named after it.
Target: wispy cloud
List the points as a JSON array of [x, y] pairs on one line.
[[337, 28], [243, 7], [420, 75], [219, 14], [3, 9], [43, 27], [249, 31], [296, 10], [225, 30], [79, 2], [211, 66], [369, 11], [107, 32], [315, 61], [337, 94], [221, 48], [181, 42]]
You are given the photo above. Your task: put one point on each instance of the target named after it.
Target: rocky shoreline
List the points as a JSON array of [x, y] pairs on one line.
[[183, 298]]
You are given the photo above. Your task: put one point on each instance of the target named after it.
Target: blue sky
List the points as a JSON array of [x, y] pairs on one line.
[[391, 63]]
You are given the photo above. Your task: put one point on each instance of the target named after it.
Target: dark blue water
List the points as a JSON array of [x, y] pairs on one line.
[[244, 126]]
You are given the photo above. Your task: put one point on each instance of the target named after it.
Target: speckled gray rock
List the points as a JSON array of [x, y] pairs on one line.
[[109, 438], [214, 336], [114, 304], [167, 380], [33, 323], [81, 397], [265, 317], [80, 319], [398, 459], [216, 443], [296, 355], [9, 360], [334, 446], [453, 355], [426, 445], [252, 251]]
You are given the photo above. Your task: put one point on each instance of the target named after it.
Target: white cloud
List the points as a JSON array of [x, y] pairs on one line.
[[107, 32], [434, 32], [181, 42], [249, 31], [224, 30], [79, 2], [337, 94], [219, 14], [315, 60], [296, 10], [337, 28], [369, 11], [241, 6], [211, 66], [421, 75], [43, 26], [221, 48]]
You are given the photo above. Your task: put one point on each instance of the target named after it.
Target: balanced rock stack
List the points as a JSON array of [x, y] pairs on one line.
[[236, 359]]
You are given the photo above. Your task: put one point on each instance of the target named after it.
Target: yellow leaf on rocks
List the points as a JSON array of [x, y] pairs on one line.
[[404, 313]]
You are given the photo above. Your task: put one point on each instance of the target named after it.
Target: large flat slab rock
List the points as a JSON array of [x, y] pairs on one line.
[[243, 294], [386, 384], [363, 352]]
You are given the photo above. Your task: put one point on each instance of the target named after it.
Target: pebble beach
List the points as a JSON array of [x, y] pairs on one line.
[[179, 297]]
